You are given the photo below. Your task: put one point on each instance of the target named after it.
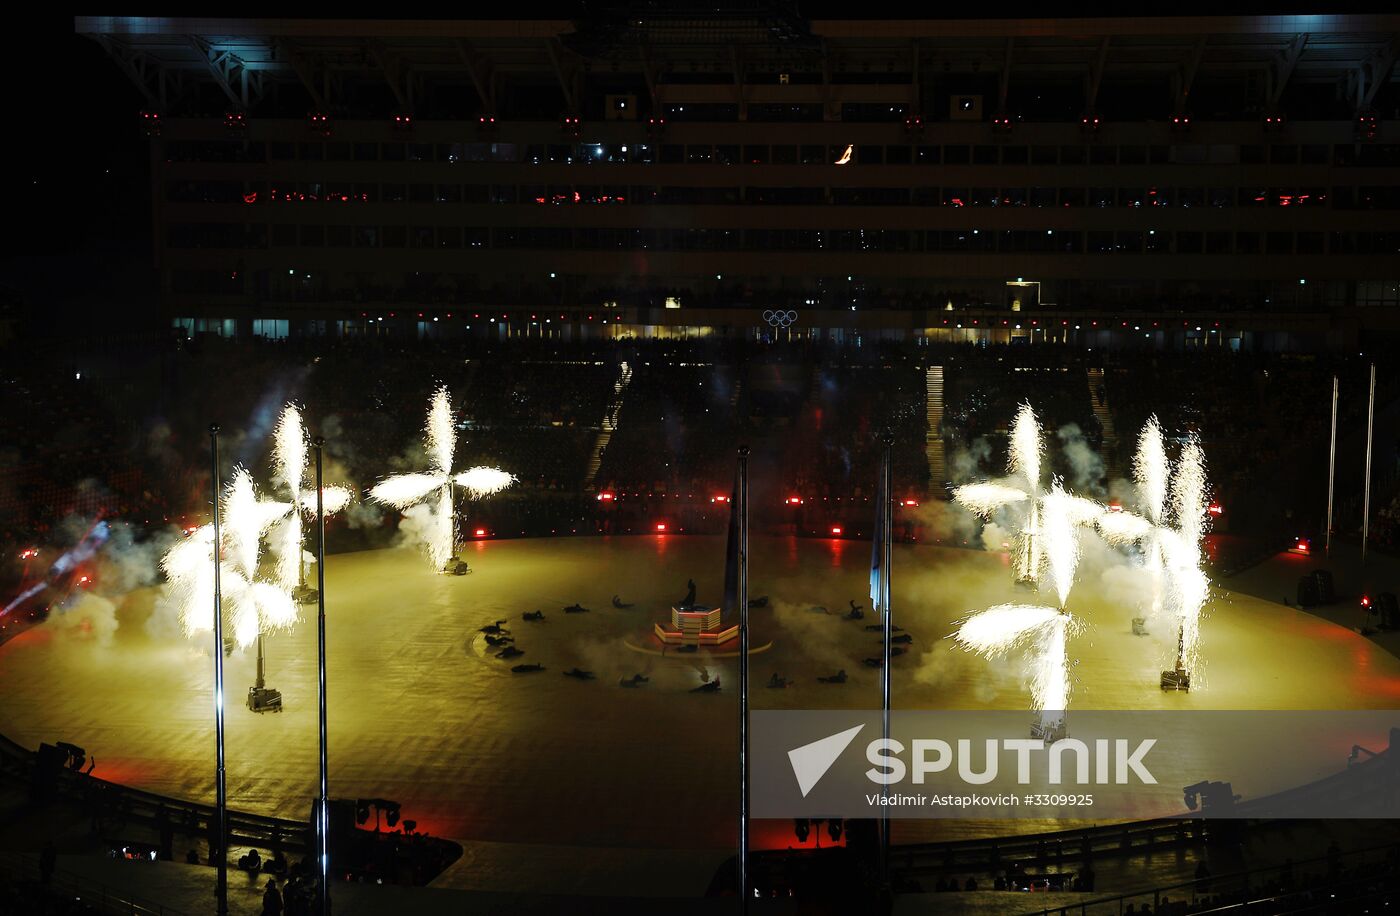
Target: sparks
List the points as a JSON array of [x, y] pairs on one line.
[[434, 487], [289, 470], [1044, 631], [252, 606]]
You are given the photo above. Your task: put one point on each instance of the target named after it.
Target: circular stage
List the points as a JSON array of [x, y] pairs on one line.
[[422, 712]]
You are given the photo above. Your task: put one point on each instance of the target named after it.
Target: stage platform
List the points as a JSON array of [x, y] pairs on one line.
[[422, 712]]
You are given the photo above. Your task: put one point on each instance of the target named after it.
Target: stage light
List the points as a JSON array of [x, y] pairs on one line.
[[403, 122], [234, 121], [319, 122], [150, 123]]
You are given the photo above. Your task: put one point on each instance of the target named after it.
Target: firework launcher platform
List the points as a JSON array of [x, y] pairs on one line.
[[456, 567], [1179, 679], [264, 699], [305, 594], [1050, 732], [696, 625], [1139, 626]]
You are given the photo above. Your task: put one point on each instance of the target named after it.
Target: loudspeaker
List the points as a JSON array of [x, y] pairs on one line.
[[1325, 592], [1307, 591]]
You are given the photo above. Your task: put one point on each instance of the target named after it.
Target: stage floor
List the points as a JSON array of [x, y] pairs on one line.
[[423, 713]]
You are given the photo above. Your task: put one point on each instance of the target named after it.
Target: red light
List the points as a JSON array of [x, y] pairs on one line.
[[605, 496], [30, 553], [83, 580], [794, 500], [660, 526], [911, 502], [1215, 509], [1365, 600], [836, 530], [719, 499], [1115, 506], [481, 532]]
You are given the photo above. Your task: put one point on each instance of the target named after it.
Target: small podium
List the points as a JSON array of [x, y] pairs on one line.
[[696, 625]]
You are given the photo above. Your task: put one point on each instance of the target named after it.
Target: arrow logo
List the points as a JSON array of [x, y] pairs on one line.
[[811, 761]]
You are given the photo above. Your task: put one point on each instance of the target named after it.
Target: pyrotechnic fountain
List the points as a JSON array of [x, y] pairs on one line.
[[1171, 546], [985, 499], [289, 471], [1187, 585], [1005, 628], [403, 491], [253, 606]]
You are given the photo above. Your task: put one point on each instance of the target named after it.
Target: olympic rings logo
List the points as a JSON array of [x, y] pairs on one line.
[[780, 319]]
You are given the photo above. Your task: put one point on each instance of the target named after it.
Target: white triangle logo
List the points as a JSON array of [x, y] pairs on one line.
[[811, 761]]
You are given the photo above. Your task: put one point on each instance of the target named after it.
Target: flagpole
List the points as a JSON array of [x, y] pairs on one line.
[[885, 494], [1370, 430], [743, 601], [1332, 466], [219, 847], [322, 812]]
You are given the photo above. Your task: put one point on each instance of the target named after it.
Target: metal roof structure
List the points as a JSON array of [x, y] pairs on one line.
[[166, 57]]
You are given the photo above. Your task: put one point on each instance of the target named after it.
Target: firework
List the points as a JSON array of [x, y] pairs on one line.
[[434, 487], [985, 499], [252, 606], [1062, 516], [1187, 585], [1043, 631], [289, 471]]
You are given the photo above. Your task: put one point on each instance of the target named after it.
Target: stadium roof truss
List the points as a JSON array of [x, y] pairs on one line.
[[168, 59]]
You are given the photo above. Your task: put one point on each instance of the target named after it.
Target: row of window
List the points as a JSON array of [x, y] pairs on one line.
[[1343, 197], [1344, 154], [235, 235]]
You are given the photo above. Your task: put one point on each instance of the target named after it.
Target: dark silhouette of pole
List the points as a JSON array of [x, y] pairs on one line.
[[1370, 439], [322, 812], [744, 676], [885, 534], [220, 850], [1332, 466]]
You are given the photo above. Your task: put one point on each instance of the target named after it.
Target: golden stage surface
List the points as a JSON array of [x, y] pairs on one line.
[[422, 712]]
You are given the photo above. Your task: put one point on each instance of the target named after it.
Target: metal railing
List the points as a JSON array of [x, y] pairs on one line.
[[24, 868], [1190, 892]]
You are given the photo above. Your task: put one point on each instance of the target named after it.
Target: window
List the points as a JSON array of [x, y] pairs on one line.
[[275, 328]]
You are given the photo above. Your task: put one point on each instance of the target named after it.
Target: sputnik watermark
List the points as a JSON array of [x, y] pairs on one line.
[[1115, 764], [1113, 761]]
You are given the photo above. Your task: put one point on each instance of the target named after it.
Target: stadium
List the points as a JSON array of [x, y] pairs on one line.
[[448, 435]]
